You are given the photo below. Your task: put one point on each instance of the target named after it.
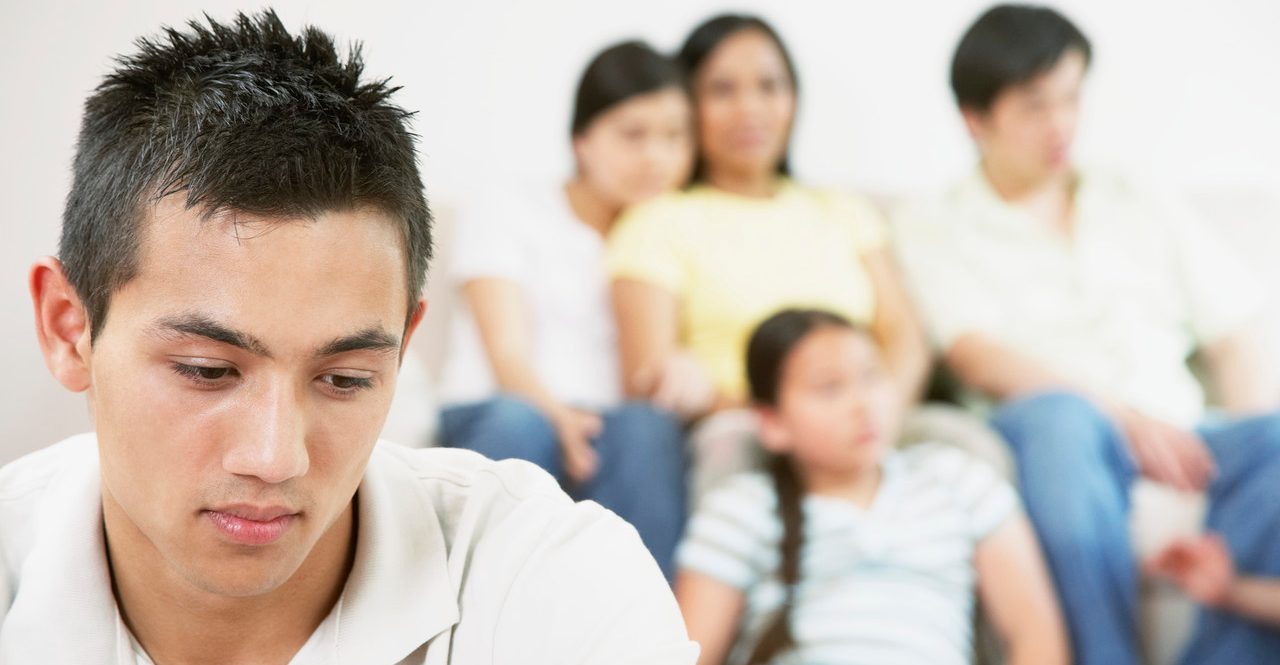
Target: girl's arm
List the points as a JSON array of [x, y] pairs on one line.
[[712, 610], [1018, 596], [1203, 568], [896, 327], [1257, 598], [653, 365], [498, 307]]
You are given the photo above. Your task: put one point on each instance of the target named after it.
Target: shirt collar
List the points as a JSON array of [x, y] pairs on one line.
[[400, 593], [974, 192]]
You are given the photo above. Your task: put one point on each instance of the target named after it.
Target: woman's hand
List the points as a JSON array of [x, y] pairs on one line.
[[678, 384], [576, 429]]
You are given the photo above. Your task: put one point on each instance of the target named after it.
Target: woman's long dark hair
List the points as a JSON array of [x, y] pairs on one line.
[[767, 352], [618, 73], [705, 39]]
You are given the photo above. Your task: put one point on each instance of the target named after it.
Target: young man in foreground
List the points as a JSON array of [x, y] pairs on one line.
[[242, 257]]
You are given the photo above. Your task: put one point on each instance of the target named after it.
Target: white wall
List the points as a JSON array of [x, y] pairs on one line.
[[1184, 91]]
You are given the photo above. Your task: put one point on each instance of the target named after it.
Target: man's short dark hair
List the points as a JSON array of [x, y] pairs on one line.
[[239, 116], [1007, 46]]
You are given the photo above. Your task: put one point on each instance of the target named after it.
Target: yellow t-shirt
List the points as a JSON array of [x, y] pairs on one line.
[[734, 260]]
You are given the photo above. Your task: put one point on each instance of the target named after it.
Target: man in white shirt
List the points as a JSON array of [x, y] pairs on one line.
[[1070, 301], [243, 250]]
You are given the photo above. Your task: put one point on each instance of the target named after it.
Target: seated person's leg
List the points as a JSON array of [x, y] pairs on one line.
[[504, 427], [641, 476], [1075, 475], [1244, 510]]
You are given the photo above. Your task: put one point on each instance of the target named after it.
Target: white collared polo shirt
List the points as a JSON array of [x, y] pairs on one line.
[[459, 560], [1117, 307]]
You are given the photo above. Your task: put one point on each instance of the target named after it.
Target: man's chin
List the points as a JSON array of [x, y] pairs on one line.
[[241, 579]]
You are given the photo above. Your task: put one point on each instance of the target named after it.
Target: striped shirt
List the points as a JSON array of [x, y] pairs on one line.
[[891, 584]]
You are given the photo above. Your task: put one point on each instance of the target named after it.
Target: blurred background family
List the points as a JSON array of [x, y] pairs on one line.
[[844, 395]]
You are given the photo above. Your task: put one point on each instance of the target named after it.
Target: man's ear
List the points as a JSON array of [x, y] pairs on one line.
[[580, 148], [773, 434], [420, 310], [975, 121], [62, 324]]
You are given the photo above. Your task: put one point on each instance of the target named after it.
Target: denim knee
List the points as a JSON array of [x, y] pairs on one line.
[[1052, 419]]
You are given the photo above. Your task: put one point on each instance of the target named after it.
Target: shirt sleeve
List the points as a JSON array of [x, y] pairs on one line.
[[730, 537], [949, 294], [646, 245], [6, 595], [489, 240], [986, 499], [594, 597], [1220, 294]]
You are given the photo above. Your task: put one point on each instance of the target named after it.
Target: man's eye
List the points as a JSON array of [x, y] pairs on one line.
[[348, 384], [203, 374]]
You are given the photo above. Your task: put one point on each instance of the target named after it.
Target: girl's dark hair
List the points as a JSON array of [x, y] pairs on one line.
[[706, 38], [618, 73], [767, 352]]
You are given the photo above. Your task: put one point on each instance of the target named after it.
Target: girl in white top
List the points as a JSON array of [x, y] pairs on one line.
[[533, 360], [845, 551]]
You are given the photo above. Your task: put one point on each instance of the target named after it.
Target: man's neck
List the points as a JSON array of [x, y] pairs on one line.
[[178, 623], [1050, 199]]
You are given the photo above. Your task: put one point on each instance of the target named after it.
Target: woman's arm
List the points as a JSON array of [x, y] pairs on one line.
[[712, 610], [1018, 596], [498, 307], [896, 328], [648, 319], [653, 365]]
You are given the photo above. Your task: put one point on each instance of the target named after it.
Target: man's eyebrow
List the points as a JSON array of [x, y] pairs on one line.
[[372, 338], [199, 325]]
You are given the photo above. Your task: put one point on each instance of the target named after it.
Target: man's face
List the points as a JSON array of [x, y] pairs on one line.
[[1028, 131], [239, 384]]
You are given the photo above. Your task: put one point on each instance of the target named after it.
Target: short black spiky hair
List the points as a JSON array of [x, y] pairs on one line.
[[1009, 45], [236, 116]]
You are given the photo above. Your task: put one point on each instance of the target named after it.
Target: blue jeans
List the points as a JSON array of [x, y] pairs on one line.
[[1075, 473], [641, 475]]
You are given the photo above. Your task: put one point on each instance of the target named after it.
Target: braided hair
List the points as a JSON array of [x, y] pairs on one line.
[[767, 352]]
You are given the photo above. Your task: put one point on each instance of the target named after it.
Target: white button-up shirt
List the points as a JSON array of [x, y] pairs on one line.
[[459, 560], [1118, 306]]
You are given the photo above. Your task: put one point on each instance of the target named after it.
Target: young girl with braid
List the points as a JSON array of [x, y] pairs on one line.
[[844, 550]]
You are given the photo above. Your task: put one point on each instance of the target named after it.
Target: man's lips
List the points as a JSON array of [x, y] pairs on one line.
[[252, 525]]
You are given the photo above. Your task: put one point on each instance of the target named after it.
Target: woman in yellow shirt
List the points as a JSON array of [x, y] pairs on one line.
[[695, 271]]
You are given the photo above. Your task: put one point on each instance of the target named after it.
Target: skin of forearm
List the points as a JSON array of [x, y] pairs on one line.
[[1242, 373], [1256, 598], [1004, 373], [1028, 652], [908, 369], [517, 377]]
